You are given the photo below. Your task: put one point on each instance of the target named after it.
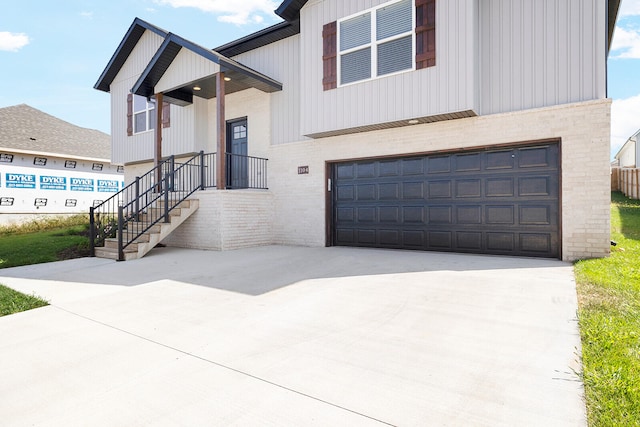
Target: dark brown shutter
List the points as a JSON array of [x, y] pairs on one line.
[[329, 55], [130, 114], [166, 110], [425, 33]]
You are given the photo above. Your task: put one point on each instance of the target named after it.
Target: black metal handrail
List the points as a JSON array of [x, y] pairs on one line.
[[149, 200]]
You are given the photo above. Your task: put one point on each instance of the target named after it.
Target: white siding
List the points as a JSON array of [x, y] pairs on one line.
[[448, 87], [541, 53], [186, 67], [137, 147], [280, 61]]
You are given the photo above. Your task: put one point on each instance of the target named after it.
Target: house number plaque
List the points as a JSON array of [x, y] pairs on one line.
[[303, 170]]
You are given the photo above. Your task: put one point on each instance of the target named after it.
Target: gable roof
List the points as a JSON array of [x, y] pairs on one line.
[[27, 129], [126, 46], [242, 77]]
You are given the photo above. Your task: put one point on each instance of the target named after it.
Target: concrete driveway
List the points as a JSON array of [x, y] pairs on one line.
[[293, 336]]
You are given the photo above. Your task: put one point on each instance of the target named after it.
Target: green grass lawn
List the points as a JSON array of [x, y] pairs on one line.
[[14, 302], [44, 246], [609, 316]]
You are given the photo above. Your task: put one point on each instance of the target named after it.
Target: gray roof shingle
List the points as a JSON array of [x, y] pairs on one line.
[[25, 128]]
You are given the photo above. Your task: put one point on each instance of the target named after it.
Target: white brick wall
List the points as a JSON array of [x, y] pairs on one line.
[[228, 219], [583, 129], [293, 211]]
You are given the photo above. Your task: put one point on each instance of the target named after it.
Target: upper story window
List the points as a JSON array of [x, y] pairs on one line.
[[377, 42], [144, 114]]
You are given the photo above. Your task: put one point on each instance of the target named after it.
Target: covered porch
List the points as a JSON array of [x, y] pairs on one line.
[[180, 73]]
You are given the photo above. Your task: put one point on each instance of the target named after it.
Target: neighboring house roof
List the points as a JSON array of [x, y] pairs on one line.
[[29, 130], [631, 142], [242, 77]]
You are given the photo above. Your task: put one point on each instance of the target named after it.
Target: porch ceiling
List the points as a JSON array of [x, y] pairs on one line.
[[241, 76]]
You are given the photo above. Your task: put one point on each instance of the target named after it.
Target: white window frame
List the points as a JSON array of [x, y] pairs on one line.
[[149, 112], [373, 44]]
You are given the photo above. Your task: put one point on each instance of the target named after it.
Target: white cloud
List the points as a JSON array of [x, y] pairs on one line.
[[238, 12], [625, 120], [13, 42], [88, 15], [626, 43], [629, 8]]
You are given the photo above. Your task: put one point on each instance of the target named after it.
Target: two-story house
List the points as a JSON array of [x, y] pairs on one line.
[[477, 126]]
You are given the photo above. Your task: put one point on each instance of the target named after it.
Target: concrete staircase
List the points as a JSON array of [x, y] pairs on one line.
[[148, 240]]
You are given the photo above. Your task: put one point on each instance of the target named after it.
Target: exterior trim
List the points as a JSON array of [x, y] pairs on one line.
[[260, 38], [395, 124], [289, 10], [168, 51], [131, 38]]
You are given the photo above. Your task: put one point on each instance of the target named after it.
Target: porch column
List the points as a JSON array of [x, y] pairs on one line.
[[157, 150], [221, 143]]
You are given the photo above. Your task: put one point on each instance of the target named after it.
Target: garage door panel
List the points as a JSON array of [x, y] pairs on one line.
[[366, 214], [389, 214], [469, 215], [413, 167], [440, 240], [468, 188], [345, 193], [390, 238], [501, 242], [439, 189], [389, 191], [534, 186], [501, 202], [439, 215], [390, 168], [414, 239], [412, 190], [500, 160], [468, 162], [469, 240], [499, 187], [413, 214], [366, 170], [535, 243], [535, 215], [366, 192], [536, 157], [439, 164]]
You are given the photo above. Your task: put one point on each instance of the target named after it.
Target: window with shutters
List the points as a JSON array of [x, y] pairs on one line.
[[144, 114], [377, 42]]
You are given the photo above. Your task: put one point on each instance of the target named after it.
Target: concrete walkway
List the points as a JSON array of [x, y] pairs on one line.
[[293, 336]]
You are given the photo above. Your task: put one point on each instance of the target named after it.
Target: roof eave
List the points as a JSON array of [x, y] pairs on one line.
[[131, 38]]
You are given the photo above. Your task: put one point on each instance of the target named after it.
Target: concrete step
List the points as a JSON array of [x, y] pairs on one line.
[[150, 238]]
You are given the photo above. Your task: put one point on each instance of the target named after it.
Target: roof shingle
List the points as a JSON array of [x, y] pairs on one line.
[[28, 129]]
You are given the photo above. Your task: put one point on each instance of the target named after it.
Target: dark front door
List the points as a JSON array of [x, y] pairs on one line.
[[237, 167], [503, 201]]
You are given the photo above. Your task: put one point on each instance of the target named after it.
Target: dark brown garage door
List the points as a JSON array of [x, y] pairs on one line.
[[494, 202]]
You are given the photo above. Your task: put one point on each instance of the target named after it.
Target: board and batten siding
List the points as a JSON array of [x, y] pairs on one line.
[[177, 139], [186, 67], [127, 149], [541, 53], [448, 87], [280, 61]]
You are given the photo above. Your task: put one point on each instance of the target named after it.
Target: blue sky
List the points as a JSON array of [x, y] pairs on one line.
[[52, 52]]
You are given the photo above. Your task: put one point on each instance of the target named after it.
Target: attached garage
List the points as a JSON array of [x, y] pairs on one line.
[[497, 201]]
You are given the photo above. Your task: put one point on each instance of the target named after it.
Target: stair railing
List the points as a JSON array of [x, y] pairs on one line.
[[145, 202]]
